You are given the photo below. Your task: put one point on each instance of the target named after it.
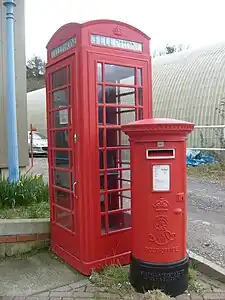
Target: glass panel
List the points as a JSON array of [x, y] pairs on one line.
[[120, 95], [140, 96], [111, 159], [59, 78], [60, 98], [61, 138], [63, 218], [63, 179], [62, 198], [125, 198], [119, 116], [119, 220], [100, 116], [116, 138], [125, 157], [61, 118], [139, 77], [62, 159], [119, 74], [102, 183], [100, 137], [102, 202], [103, 225], [69, 74], [99, 72], [100, 94], [140, 114]]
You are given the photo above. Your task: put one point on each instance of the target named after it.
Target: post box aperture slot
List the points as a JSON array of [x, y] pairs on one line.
[[160, 153]]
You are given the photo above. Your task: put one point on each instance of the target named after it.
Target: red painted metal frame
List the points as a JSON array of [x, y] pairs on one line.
[[86, 247]]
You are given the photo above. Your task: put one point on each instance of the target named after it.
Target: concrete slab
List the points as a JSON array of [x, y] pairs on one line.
[[33, 274]]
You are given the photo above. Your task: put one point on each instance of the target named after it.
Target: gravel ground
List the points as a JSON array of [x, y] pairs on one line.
[[206, 215]]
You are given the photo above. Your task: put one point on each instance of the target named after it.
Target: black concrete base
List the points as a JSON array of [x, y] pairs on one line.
[[171, 278]]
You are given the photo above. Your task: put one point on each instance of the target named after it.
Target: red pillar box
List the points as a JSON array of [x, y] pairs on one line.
[[158, 167]]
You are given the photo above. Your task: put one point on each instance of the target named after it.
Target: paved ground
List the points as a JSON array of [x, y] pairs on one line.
[[206, 216], [33, 274], [83, 289]]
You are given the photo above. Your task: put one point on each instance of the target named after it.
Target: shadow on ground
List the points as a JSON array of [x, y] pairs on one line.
[[34, 273]]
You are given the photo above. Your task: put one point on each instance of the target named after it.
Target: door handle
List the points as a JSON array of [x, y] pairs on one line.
[[74, 189]]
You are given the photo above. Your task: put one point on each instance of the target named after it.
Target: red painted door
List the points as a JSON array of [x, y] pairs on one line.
[[62, 118], [120, 86]]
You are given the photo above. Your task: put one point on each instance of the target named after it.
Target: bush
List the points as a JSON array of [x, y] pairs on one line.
[[27, 191]]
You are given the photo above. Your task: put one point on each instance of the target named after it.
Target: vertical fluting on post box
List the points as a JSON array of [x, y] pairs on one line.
[[159, 257]]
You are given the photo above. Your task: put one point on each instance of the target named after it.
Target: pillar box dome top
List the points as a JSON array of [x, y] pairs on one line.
[[158, 128]]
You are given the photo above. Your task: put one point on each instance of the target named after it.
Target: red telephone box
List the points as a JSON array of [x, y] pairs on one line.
[[159, 213], [98, 77]]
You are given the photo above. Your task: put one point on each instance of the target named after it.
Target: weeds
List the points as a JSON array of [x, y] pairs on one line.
[[27, 191], [28, 198], [112, 278]]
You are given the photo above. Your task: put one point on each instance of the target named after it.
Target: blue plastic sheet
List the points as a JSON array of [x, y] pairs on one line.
[[196, 158]]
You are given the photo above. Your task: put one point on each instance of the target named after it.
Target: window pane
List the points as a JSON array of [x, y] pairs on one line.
[[62, 198], [119, 220], [61, 118], [63, 218], [63, 179], [59, 78], [103, 224], [119, 74], [62, 159], [100, 137], [99, 72], [100, 116], [100, 94], [139, 78], [60, 98], [120, 116], [140, 114], [120, 95], [140, 96], [61, 138], [116, 138]]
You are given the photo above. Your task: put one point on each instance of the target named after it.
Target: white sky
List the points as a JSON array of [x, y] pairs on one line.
[[194, 22]]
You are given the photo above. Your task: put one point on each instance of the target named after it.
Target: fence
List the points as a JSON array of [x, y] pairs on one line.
[[210, 138]]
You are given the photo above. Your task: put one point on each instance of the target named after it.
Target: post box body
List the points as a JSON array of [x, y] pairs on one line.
[[159, 202]]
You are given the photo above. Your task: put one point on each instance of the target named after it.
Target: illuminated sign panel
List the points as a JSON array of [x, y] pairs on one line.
[[63, 47], [116, 43]]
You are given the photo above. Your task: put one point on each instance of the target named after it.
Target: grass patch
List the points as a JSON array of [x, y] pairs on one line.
[[33, 211], [115, 279], [28, 198], [112, 278], [214, 171]]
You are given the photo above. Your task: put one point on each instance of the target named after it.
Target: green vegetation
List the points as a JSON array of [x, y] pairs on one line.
[[213, 172], [114, 279], [28, 198]]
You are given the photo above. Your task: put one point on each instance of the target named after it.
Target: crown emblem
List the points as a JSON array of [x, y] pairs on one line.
[[161, 205], [117, 31]]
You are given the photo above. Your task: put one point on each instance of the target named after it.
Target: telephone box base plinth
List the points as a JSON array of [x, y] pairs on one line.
[[171, 278]]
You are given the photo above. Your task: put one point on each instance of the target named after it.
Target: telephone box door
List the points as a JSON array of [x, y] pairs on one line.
[[120, 87], [62, 128]]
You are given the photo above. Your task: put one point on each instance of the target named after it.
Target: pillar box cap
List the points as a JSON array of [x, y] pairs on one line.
[[158, 126]]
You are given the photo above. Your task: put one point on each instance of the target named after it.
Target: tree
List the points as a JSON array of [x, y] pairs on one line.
[[169, 49], [35, 68], [35, 73]]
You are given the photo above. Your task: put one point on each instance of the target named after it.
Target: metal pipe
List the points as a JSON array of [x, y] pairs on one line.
[[13, 159]]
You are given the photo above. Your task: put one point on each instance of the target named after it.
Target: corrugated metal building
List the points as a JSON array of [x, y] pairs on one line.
[[187, 85], [21, 96], [190, 86]]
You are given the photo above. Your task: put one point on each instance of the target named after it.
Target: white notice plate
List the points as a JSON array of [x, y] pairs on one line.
[[161, 177]]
